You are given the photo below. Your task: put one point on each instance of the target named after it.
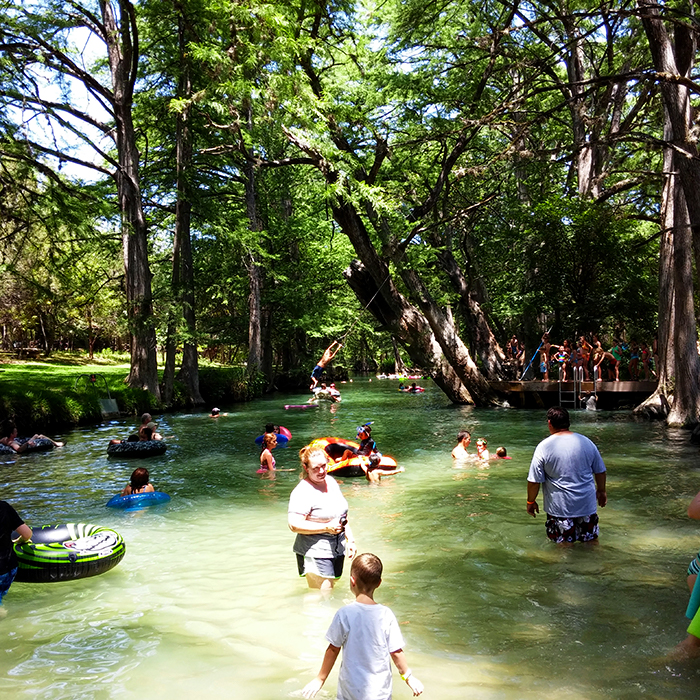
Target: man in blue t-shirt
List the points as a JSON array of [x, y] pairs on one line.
[[572, 474]]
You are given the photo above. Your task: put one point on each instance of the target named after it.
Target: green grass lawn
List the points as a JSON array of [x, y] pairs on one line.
[[40, 394], [58, 392]]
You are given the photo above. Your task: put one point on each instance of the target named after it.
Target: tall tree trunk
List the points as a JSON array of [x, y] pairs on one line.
[[123, 53], [255, 272], [183, 267], [168, 383], [657, 406], [480, 338], [685, 409], [431, 342], [673, 64], [267, 367], [410, 328], [673, 67], [399, 367]]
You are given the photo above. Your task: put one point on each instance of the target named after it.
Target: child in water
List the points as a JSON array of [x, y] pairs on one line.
[[367, 448], [482, 449], [139, 483], [267, 461], [369, 636]]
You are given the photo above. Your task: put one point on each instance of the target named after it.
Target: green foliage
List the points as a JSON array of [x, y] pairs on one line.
[[394, 98], [580, 264]]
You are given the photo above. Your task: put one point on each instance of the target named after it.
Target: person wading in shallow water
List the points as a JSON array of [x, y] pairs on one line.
[[318, 514], [572, 474]]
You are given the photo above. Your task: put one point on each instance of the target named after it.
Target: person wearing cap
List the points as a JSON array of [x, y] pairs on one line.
[[367, 448], [146, 418], [215, 413], [152, 426]]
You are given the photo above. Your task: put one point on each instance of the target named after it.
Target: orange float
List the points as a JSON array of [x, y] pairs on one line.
[[336, 447]]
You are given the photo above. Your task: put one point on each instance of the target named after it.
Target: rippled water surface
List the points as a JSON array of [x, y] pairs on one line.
[[207, 603]]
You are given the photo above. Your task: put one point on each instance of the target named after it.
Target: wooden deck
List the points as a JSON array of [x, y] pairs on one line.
[[538, 394]]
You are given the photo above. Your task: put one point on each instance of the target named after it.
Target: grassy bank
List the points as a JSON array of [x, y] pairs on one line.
[[43, 395]]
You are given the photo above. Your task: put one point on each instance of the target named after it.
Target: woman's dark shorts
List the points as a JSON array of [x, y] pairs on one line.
[[326, 568]]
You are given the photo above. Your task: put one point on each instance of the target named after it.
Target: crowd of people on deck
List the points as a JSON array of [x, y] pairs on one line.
[[589, 357]]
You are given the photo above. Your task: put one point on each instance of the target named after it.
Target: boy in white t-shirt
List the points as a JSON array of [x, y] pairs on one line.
[[369, 635]]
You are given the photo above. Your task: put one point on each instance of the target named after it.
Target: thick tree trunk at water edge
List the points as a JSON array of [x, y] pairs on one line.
[[411, 329], [122, 49]]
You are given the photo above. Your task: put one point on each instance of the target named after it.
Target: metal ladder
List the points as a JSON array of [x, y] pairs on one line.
[[570, 397]]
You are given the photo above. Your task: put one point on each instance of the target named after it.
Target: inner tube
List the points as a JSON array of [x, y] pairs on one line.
[[335, 448], [6, 450], [137, 501], [282, 438], [67, 552], [149, 448], [39, 445]]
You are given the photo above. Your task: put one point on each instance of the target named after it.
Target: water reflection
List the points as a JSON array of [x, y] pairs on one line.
[[207, 601]]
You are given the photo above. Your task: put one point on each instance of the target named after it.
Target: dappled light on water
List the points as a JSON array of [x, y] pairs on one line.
[[207, 603]]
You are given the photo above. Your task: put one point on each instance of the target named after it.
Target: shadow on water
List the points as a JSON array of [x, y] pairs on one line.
[[207, 601]]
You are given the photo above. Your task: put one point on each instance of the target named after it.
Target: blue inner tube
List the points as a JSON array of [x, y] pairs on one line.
[[149, 448], [5, 450], [136, 501], [281, 439], [66, 552]]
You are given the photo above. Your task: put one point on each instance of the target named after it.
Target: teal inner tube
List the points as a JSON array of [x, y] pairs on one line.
[[136, 501], [149, 448], [67, 552]]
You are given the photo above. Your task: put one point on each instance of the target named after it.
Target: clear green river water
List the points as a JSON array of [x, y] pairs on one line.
[[207, 602]]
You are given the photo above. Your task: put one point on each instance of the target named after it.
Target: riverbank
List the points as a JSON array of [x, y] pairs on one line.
[[65, 391]]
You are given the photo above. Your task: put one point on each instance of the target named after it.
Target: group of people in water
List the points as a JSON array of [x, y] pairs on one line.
[[367, 448], [325, 393], [147, 431], [464, 439], [593, 360]]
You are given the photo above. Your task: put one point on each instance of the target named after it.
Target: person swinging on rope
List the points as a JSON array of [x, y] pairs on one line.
[[328, 355]]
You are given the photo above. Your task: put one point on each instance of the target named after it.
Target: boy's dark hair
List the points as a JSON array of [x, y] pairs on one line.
[[147, 433], [463, 434], [501, 452], [269, 427], [559, 418], [367, 571]]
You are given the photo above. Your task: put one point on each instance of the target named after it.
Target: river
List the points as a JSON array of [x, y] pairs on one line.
[[207, 602]]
